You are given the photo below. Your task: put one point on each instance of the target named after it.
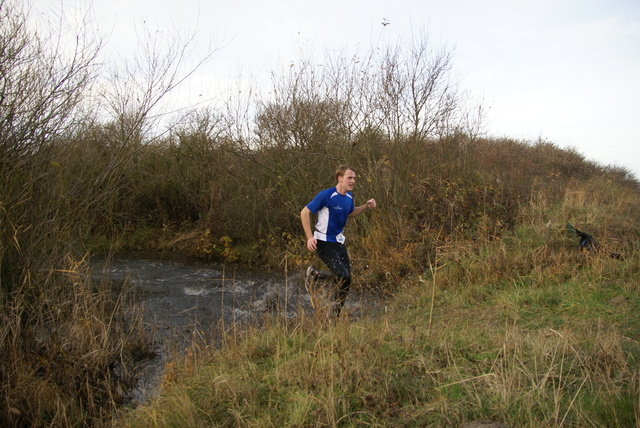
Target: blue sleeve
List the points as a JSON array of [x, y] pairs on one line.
[[318, 202]]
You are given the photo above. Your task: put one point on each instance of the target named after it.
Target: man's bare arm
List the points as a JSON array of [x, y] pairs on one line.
[[371, 203], [305, 217]]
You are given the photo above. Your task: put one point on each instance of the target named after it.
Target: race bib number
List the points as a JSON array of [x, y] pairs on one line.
[[340, 238]]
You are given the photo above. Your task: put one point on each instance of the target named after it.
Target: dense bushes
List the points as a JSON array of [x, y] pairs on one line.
[[424, 188]]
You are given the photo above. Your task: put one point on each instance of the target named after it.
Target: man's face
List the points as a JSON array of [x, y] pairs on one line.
[[347, 181]]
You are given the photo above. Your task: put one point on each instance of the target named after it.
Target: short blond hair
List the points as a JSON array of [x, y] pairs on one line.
[[342, 170]]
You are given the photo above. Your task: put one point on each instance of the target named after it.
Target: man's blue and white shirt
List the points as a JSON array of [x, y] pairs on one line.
[[332, 209]]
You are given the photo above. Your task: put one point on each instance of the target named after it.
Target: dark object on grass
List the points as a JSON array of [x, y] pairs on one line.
[[587, 243]]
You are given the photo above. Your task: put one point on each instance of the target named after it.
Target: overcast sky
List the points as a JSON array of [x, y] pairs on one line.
[[564, 70]]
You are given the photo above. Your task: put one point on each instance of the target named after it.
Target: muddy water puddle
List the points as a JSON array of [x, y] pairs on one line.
[[185, 300]]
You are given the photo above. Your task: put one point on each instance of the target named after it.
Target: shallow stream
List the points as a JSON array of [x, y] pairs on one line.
[[186, 300]]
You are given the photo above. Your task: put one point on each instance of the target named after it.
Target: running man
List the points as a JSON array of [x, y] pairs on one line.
[[333, 206]]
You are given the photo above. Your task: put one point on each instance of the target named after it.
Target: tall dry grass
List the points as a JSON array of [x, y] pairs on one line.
[[69, 353], [520, 328]]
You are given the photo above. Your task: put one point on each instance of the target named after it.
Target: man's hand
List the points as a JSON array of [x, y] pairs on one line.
[[311, 244], [371, 203]]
